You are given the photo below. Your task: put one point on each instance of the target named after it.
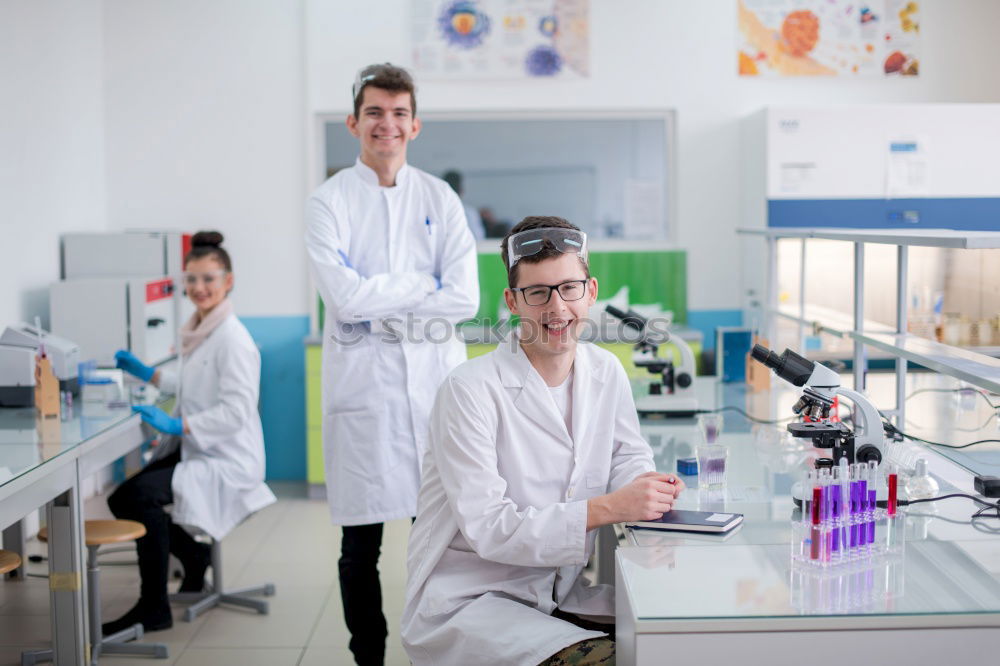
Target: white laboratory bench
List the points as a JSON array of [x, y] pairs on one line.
[[741, 598], [42, 463]]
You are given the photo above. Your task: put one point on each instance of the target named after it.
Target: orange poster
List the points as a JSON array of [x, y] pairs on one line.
[[828, 38]]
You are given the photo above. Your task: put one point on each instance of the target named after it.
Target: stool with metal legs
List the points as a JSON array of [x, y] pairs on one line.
[[202, 601], [98, 533]]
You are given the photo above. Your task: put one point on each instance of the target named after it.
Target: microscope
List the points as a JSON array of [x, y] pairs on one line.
[[672, 393], [819, 386]]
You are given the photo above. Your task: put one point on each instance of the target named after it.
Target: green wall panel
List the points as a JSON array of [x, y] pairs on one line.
[[652, 277]]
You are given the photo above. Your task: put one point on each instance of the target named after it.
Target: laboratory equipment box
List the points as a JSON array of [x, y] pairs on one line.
[[63, 354], [106, 314], [124, 254]]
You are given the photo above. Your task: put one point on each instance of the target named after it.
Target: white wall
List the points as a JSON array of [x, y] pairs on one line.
[[199, 113], [651, 54], [205, 130], [51, 142]]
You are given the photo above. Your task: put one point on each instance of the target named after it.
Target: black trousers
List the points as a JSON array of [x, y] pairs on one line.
[[361, 592], [142, 498]]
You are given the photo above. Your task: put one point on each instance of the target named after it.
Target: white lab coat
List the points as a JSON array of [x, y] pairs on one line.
[[374, 253], [501, 532], [220, 479]]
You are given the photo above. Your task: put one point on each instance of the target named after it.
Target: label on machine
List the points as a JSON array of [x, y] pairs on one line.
[[159, 289]]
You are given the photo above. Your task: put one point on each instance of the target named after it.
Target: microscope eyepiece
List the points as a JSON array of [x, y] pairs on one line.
[[791, 367], [630, 318], [764, 355]]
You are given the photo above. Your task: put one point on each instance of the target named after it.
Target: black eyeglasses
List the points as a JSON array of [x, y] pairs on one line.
[[539, 294]]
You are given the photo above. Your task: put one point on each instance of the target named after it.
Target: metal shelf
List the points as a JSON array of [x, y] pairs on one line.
[[828, 320], [949, 238], [977, 369]]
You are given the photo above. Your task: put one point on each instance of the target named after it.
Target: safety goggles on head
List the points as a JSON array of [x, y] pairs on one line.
[[361, 79], [526, 243]]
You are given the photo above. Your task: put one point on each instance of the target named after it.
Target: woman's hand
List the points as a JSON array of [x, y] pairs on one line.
[[159, 419], [128, 362]]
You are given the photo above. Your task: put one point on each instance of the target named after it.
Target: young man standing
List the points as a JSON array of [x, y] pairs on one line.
[[533, 446], [395, 263]]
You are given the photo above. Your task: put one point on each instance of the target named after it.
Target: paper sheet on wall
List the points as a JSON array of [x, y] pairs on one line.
[[828, 38], [906, 168], [501, 39], [643, 209]]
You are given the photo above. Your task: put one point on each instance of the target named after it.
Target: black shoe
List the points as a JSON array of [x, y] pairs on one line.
[[194, 572], [150, 620]]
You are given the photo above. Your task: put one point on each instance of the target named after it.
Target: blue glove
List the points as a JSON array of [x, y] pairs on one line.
[[159, 419], [437, 280], [133, 366]]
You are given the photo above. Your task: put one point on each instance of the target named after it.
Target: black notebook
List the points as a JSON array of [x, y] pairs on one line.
[[692, 521]]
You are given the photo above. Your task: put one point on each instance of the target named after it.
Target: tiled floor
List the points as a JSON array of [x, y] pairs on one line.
[[291, 544]]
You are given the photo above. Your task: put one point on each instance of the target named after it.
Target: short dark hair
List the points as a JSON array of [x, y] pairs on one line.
[[209, 244], [387, 77], [548, 250]]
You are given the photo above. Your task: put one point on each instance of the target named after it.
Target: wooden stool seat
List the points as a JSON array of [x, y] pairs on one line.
[[9, 561], [100, 532]]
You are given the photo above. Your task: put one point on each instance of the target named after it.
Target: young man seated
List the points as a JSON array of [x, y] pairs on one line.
[[533, 446]]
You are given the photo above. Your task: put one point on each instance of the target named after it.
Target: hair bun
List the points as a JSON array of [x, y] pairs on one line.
[[206, 239]]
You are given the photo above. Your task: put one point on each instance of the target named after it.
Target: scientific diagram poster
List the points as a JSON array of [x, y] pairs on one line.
[[501, 39], [829, 38]]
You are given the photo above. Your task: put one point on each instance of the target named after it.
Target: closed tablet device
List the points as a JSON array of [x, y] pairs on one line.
[[679, 520]]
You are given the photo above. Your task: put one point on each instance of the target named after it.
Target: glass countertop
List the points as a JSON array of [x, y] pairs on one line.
[[738, 582], [27, 441]]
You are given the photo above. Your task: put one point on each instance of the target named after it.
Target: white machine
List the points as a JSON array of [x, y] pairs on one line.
[[63, 354], [85, 255], [136, 254], [17, 376], [107, 314], [673, 393]]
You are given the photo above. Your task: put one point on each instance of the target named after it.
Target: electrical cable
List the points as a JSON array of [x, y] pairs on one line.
[[730, 408], [893, 430], [980, 393], [957, 429], [977, 516], [978, 500]]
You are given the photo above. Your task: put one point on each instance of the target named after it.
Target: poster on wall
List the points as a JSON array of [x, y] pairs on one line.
[[828, 38], [501, 39]]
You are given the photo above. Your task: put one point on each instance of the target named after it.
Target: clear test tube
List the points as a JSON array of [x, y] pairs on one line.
[[836, 524], [873, 483], [862, 520], [892, 479], [826, 514], [802, 528], [815, 533], [855, 524]]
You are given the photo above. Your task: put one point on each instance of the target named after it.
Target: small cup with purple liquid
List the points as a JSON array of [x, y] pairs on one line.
[[712, 466], [711, 426]]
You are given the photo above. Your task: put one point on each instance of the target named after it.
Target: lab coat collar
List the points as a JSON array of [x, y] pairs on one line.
[[369, 177], [516, 372]]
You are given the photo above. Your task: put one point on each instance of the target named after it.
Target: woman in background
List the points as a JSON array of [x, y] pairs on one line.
[[212, 470]]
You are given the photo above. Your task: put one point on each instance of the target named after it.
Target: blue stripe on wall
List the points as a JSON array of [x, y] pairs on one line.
[[282, 392], [967, 214], [706, 321]]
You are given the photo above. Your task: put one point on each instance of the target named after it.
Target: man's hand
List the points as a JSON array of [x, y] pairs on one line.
[[647, 497]]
